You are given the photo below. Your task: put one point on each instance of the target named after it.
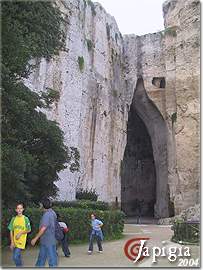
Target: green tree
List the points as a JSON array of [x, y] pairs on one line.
[[33, 151], [30, 29]]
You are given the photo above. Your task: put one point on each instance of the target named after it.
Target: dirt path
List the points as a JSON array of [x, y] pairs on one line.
[[113, 254]]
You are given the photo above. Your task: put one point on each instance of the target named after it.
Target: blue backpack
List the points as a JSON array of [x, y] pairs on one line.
[[59, 235]]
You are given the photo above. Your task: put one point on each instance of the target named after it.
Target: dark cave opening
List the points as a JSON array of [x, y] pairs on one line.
[[138, 174], [159, 82]]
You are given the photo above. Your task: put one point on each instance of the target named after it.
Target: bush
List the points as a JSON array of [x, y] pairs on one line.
[[50, 96], [81, 62], [77, 219], [171, 31], [174, 117], [83, 204], [85, 194], [186, 232], [74, 156], [89, 44]]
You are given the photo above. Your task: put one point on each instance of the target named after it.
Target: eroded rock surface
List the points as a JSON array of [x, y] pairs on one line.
[[190, 214], [96, 96]]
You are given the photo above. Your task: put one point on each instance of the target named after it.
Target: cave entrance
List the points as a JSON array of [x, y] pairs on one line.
[[138, 172], [144, 170]]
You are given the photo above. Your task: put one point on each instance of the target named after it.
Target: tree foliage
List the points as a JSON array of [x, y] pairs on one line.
[[30, 29], [33, 151]]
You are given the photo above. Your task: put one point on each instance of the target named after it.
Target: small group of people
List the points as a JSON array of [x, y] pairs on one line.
[[52, 230]]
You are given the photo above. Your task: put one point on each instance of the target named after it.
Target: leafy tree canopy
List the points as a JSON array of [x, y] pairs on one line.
[[30, 29], [33, 151]]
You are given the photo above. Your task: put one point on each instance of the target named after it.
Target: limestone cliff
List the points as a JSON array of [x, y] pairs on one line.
[[91, 108], [169, 62], [101, 75]]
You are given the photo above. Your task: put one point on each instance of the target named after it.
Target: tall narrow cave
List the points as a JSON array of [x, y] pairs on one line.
[[144, 168], [138, 169]]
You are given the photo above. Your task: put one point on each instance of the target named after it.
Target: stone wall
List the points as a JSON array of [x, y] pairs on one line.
[[95, 99]]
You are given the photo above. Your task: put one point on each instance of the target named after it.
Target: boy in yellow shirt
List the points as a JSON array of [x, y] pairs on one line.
[[19, 227]]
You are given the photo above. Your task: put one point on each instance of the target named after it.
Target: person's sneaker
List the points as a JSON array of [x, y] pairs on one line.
[[100, 251], [89, 252], [67, 256]]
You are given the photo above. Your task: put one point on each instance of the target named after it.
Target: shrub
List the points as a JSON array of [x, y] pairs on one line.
[[77, 219], [74, 158], [81, 62], [174, 117], [89, 44], [186, 232], [83, 204], [171, 31], [50, 96], [85, 194]]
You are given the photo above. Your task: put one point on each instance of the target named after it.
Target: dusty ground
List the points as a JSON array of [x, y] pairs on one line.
[[113, 254]]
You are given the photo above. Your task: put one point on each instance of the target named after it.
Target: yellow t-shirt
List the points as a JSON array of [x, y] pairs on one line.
[[19, 224]]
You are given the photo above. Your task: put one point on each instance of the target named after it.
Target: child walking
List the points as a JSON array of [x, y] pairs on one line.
[[96, 233], [19, 227], [64, 241]]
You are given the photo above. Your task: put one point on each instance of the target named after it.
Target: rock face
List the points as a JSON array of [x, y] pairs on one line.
[[185, 82], [101, 77], [190, 214]]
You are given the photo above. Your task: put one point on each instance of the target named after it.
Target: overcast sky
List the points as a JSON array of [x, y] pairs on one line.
[[135, 16]]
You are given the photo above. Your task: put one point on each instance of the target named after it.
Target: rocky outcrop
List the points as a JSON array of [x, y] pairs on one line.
[[184, 81], [189, 214], [169, 63], [97, 77]]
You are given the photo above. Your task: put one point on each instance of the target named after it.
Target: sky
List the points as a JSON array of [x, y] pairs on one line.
[[135, 16]]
